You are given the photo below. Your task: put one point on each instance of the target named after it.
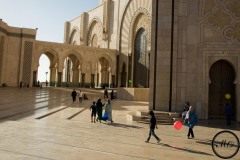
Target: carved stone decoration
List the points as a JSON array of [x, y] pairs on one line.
[[209, 6], [219, 19], [234, 7], [141, 19], [233, 33], [223, 17]]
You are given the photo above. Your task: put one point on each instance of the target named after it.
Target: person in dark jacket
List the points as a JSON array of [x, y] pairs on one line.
[[192, 119], [228, 111], [93, 108], [74, 95], [152, 125], [99, 110]]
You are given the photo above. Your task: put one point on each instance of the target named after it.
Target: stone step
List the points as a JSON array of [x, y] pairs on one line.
[[161, 117]]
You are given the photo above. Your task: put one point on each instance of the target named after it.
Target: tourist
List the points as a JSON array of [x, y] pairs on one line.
[[80, 96], [74, 95], [85, 97], [108, 111], [152, 126], [184, 113], [228, 111], [105, 93], [186, 106], [192, 120], [93, 108], [99, 110], [112, 95]]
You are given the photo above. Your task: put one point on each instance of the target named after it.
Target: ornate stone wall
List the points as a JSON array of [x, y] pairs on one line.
[[27, 62], [221, 19], [1, 56]]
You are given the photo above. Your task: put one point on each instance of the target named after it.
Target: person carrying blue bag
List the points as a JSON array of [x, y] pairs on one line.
[[108, 112], [191, 120]]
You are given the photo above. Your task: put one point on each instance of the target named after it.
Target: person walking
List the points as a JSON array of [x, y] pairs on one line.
[[93, 108], [80, 96], [112, 95], [105, 93], [99, 110], [152, 126], [228, 111], [108, 110], [74, 95], [192, 120]]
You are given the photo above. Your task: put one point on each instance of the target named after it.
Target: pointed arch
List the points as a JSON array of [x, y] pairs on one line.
[[95, 28], [74, 36]]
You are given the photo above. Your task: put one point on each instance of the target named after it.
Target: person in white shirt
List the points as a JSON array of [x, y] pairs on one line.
[[80, 95]]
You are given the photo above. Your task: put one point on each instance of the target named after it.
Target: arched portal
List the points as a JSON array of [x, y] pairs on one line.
[[103, 72], [46, 70], [141, 60], [222, 76], [43, 74]]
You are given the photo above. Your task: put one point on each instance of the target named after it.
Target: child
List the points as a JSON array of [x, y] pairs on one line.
[[152, 125], [94, 111]]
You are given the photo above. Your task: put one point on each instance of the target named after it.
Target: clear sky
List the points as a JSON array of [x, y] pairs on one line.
[[48, 16]]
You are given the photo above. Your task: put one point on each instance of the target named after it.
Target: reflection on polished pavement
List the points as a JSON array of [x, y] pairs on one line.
[[38, 124]]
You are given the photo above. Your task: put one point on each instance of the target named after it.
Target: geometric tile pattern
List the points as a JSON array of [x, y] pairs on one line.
[[27, 62]]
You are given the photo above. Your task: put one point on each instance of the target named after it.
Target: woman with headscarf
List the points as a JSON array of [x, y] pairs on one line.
[[108, 110], [192, 119], [99, 110]]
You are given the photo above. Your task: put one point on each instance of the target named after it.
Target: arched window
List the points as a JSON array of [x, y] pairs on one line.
[[141, 60]]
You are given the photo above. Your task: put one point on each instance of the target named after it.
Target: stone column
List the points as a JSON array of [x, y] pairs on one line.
[[53, 76], [95, 77], [79, 75], [75, 78], [59, 78], [109, 77]]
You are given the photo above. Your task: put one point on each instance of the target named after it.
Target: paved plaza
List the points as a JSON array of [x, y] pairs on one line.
[[38, 124]]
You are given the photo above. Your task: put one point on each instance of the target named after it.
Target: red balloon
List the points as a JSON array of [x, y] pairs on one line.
[[177, 125]]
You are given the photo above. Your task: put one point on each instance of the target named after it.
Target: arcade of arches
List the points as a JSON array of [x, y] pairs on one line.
[[72, 67]]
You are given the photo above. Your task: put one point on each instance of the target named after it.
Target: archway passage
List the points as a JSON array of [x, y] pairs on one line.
[[44, 72], [222, 78], [141, 60], [71, 71]]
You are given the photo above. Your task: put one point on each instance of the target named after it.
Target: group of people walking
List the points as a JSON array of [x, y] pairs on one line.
[[97, 109], [189, 117]]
